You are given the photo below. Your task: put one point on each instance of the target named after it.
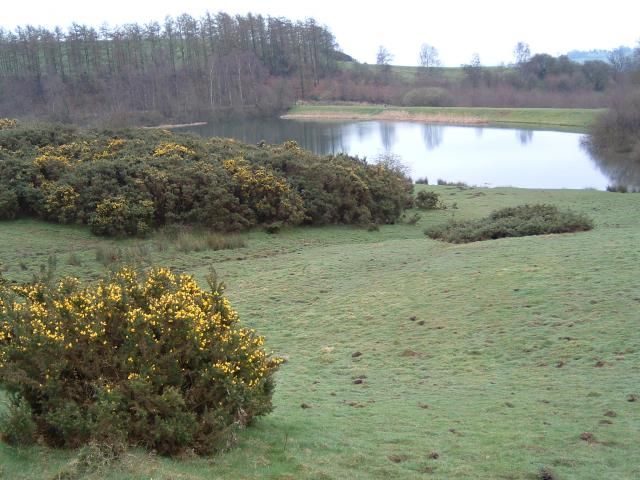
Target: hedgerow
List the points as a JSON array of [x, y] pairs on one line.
[[131, 181], [149, 360]]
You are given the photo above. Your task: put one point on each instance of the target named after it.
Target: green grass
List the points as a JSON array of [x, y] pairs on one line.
[[408, 73], [568, 118], [504, 350]]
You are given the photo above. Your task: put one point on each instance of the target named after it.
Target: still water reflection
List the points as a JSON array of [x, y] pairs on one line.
[[475, 155]]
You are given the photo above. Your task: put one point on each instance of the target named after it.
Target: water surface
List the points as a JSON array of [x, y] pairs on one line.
[[485, 156]]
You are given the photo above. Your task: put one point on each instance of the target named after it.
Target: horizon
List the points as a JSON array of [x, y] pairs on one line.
[[571, 27]]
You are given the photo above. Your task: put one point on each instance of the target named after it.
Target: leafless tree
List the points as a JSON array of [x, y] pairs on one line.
[[429, 58], [521, 53]]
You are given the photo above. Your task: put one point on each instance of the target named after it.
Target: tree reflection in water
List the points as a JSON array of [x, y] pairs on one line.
[[388, 135], [524, 136], [432, 135]]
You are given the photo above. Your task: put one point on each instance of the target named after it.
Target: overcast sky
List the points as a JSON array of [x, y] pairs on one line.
[[457, 28]]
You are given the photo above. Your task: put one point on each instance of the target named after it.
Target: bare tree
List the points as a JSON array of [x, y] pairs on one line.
[[429, 57], [620, 60], [473, 70], [383, 57], [521, 53]]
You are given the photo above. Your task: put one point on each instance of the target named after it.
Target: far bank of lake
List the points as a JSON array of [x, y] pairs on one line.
[[575, 119]]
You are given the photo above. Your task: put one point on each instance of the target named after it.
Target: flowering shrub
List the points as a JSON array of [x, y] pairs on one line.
[[7, 123], [270, 197], [117, 216], [128, 182], [172, 149], [149, 360], [60, 202]]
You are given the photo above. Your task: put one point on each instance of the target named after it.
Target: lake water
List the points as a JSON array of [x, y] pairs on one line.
[[484, 156]]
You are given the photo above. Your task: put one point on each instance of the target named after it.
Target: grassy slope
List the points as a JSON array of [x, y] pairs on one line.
[[408, 73], [505, 360], [577, 118]]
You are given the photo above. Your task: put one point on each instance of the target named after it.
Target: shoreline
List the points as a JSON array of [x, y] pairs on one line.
[[176, 125], [543, 118], [390, 115]]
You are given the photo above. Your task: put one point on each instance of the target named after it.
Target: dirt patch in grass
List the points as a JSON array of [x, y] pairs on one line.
[[398, 458]]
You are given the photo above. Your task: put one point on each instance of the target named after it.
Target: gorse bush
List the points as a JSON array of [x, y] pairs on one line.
[[149, 360], [428, 200], [7, 123], [512, 222], [132, 181]]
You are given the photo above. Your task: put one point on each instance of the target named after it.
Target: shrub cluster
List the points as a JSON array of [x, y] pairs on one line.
[[131, 181], [517, 221], [149, 360]]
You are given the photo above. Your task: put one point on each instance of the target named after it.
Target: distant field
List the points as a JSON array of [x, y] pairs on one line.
[[563, 118], [517, 348], [408, 73]]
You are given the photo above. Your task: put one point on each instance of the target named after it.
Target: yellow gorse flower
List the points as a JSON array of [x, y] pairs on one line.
[[161, 307], [167, 149], [7, 123]]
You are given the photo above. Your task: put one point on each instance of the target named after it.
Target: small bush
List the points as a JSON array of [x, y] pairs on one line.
[[428, 200], [273, 228], [149, 360], [413, 219], [108, 254], [9, 207], [74, 260], [518, 221], [16, 424]]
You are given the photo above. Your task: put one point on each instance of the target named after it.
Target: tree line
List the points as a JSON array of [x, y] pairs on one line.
[[182, 67], [532, 80]]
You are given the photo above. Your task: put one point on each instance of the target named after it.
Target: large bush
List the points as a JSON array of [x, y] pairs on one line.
[[517, 221], [149, 360], [131, 181], [618, 130]]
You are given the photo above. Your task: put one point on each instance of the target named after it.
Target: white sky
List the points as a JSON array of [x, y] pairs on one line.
[[457, 28]]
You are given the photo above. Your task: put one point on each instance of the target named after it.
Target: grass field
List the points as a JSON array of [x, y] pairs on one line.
[[487, 360], [577, 119], [409, 73]]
